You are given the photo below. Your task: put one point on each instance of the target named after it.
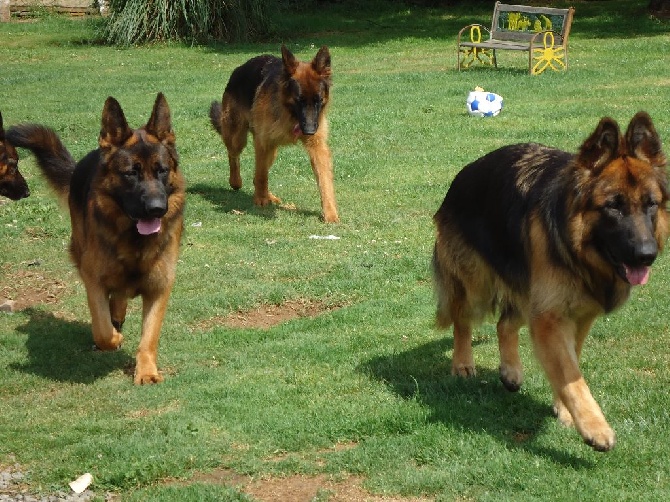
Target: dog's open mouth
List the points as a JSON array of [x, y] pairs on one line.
[[636, 276], [149, 226]]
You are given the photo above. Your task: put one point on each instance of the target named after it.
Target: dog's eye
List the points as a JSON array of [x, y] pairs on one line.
[[161, 169], [134, 171], [651, 206], [614, 205]]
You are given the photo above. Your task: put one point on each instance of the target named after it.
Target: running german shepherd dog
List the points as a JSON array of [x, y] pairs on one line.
[[552, 240], [126, 202], [280, 101], [12, 184]]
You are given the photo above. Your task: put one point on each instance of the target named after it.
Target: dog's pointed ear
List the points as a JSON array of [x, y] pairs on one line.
[[290, 61], [321, 62], [114, 131], [160, 122], [642, 140], [601, 147]]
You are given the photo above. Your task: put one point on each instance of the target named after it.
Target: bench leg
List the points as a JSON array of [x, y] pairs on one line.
[[469, 55]]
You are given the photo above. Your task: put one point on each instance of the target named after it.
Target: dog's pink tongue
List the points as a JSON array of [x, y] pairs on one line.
[[296, 130], [148, 227], [637, 276]]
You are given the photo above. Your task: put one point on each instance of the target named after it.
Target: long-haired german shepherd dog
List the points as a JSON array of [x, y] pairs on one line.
[[281, 101], [12, 184], [552, 240], [126, 202]]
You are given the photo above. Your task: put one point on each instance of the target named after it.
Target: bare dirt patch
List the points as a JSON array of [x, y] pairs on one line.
[[30, 286], [300, 488], [267, 316]]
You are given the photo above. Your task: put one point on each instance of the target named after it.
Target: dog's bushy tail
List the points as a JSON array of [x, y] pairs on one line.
[[215, 115], [54, 160]]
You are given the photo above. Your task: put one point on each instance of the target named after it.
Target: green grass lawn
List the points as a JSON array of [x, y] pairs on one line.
[[361, 392]]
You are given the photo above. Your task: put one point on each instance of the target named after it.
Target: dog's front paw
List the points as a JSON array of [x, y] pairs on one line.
[[463, 370], [331, 218], [235, 181], [511, 377], [602, 439], [597, 433], [266, 200], [147, 378], [107, 343], [146, 371]]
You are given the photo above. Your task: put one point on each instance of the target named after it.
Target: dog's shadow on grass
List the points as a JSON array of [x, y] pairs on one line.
[[63, 351], [477, 404], [226, 200]]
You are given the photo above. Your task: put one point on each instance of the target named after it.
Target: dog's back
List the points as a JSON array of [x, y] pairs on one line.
[[246, 79], [243, 84]]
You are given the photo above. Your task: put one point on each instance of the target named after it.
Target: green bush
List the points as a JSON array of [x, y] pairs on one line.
[[139, 21]]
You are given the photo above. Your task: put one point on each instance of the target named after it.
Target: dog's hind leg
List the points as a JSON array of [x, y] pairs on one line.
[[453, 306], [265, 157], [511, 371], [234, 131], [463, 363], [117, 307]]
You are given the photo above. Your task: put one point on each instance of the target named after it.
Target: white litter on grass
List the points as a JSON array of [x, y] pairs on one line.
[[325, 237], [196, 224], [81, 483]]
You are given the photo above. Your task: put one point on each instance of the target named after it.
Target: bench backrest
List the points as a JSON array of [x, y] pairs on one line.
[[521, 22]]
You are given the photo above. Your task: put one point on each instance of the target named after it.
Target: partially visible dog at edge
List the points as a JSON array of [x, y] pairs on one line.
[[126, 201], [281, 101], [552, 240], [12, 183]]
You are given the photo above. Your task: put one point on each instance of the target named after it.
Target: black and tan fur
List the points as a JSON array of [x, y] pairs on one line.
[[126, 202], [280, 101], [552, 240], [12, 183]]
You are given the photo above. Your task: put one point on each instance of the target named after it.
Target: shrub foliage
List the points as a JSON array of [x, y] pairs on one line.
[[139, 21]]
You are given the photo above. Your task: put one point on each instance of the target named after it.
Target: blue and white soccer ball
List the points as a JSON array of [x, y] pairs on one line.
[[484, 104]]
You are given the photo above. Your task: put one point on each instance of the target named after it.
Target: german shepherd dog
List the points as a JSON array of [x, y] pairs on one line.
[[12, 184], [552, 240], [126, 202], [281, 101]]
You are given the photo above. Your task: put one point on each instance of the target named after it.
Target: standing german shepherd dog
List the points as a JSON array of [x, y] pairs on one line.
[[12, 184], [281, 101], [126, 206], [552, 240]]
